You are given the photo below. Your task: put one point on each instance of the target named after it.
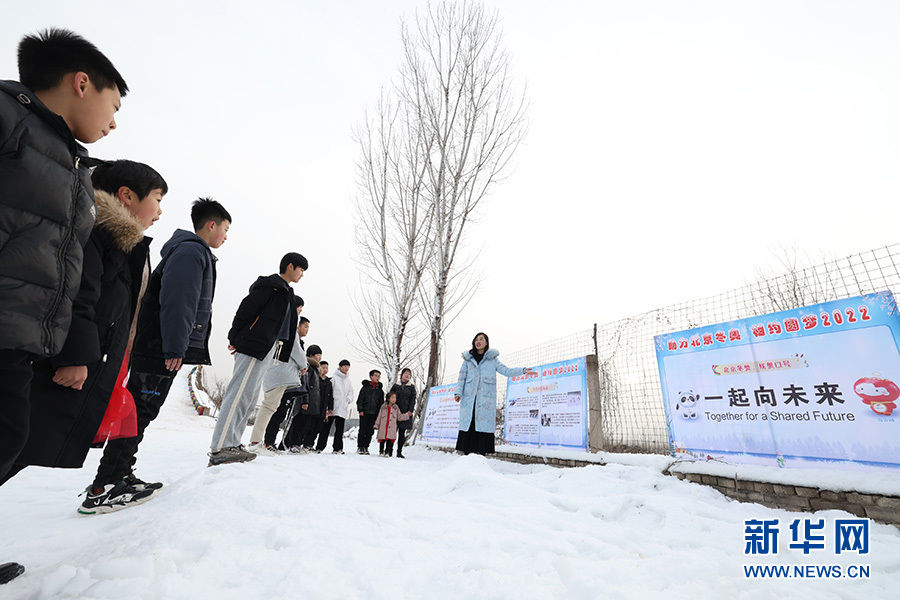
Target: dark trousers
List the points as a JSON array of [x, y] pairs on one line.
[[386, 447], [366, 431], [401, 439], [278, 418], [149, 391], [310, 429], [325, 429], [15, 408]]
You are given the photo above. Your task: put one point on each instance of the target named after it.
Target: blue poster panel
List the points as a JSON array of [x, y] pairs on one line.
[[548, 408], [817, 384], [441, 415]]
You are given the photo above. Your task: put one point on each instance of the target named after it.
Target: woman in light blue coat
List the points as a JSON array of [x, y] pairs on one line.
[[476, 392]]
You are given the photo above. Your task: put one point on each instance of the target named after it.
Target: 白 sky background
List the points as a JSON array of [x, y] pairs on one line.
[[672, 147]]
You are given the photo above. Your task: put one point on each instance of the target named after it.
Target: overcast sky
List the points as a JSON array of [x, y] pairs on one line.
[[672, 146]]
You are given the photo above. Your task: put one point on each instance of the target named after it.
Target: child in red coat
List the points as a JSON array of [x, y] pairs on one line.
[[386, 424]]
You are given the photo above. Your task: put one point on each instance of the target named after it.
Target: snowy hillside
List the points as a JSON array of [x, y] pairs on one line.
[[433, 526]]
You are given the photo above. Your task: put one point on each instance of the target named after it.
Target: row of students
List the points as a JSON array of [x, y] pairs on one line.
[[83, 311]]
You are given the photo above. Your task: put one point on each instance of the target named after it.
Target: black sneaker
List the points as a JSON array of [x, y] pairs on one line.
[[400, 455], [9, 571], [232, 454], [113, 497], [139, 484]]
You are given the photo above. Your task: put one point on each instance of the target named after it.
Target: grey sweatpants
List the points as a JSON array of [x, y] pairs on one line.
[[240, 398]]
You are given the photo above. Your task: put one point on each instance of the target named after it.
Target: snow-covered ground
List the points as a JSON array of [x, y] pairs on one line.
[[433, 526]]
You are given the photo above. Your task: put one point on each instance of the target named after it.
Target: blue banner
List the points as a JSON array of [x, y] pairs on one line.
[[817, 383]]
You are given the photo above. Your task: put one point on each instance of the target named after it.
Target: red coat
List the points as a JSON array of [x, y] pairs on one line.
[[386, 422]]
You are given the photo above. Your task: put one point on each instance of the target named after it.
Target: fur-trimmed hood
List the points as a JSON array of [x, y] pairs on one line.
[[491, 353], [113, 216]]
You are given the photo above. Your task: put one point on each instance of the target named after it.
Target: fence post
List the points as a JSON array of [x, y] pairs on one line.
[[596, 442]]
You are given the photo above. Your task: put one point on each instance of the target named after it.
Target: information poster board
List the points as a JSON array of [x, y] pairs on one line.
[[441, 415], [814, 386], [549, 408]]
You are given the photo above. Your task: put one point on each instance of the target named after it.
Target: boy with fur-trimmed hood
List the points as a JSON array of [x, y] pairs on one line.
[[70, 392], [173, 329]]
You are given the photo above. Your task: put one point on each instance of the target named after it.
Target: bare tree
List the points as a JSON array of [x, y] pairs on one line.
[[394, 230], [798, 283], [456, 79]]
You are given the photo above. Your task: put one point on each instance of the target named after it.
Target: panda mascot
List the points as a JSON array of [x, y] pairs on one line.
[[686, 406]]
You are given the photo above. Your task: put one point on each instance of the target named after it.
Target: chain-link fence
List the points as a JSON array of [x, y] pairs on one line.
[[631, 399]]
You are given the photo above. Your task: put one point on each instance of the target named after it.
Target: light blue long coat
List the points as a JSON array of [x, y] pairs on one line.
[[477, 384]]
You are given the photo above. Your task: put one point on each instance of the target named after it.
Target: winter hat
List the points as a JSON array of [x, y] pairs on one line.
[[344, 363], [312, 350]]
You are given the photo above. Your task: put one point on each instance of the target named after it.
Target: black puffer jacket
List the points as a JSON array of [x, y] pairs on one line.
[[46, 216], [258, 320], [64, 421], [370, 398], [406, 401]]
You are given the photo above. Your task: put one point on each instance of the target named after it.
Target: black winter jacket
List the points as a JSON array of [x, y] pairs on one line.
[[258, 320], [313, 384], [46, 215], [406, 402], [370, 398], [64, 421], [326, 393], [176, 313]]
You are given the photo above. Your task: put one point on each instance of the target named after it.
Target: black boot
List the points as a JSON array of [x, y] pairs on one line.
[[10, 571]]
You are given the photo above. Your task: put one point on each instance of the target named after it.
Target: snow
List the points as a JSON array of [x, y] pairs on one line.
[[436, 525], [866, 480], [655, 461]]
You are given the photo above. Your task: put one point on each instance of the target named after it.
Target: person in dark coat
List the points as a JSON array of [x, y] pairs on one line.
[[263, 330], [369, 401], [69, 93], [173, 329], [308, 406], [71, 391], [327, 395], [406, 404]]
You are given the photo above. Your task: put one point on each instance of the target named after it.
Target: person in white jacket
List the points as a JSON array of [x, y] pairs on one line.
[[278, 379], [343, 396]]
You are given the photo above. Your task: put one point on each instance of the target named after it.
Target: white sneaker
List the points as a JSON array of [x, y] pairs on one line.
[[298, 450], [260, 450]]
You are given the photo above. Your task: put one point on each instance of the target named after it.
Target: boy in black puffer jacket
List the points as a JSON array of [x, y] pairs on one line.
[[263, 329], [69, 93]]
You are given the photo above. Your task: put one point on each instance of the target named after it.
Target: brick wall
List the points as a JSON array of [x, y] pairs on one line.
[[885, 509]]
